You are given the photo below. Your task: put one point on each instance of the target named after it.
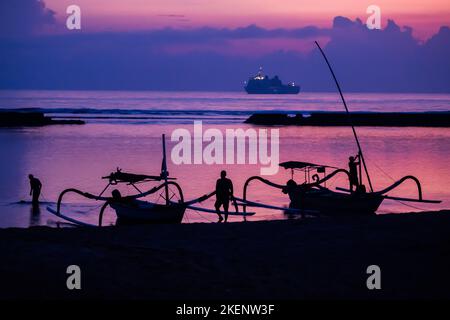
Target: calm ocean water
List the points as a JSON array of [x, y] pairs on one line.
[[124, 128]]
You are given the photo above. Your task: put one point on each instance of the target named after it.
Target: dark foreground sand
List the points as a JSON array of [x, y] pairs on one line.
[[317, 258]]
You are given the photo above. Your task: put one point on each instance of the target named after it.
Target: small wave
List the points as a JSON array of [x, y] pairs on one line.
[[181, 112], [27, 202], [96, 111]]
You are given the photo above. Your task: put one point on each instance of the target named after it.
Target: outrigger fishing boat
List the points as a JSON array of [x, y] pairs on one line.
[[131, 210], [312, 196]]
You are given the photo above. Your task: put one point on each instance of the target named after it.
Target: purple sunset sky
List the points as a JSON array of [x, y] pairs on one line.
[[198, 45]]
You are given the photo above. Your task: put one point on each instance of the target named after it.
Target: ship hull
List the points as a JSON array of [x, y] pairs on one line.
[[278, 90]]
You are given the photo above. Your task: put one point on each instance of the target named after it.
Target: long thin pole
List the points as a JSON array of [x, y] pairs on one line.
[[164, 169], [349, 116]]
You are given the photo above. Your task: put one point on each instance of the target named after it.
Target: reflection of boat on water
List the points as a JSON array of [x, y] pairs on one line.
[[262, 84], [312, 195]]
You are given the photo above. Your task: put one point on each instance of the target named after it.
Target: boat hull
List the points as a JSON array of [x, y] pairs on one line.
[[327, 202], [141, 212]]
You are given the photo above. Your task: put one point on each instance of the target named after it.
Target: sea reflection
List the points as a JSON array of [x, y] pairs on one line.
[[35, 215], [72, 156]]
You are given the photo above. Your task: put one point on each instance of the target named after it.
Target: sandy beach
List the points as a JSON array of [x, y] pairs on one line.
[[129, 130], [291, 259]]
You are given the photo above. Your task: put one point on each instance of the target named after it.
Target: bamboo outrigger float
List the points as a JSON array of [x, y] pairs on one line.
[[313, 195]]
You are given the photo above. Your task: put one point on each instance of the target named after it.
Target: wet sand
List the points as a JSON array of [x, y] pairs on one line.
[[292, 259]]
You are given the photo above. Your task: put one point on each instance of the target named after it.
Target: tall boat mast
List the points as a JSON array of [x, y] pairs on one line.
[[349, 118], [164, 172]]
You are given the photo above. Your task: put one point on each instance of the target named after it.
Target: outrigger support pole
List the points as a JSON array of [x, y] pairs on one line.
[[349, 116], [103, 191]]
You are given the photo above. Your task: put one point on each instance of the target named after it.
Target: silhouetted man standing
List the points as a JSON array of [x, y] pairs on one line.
[[35, 188], [224, 192], [353, 170]]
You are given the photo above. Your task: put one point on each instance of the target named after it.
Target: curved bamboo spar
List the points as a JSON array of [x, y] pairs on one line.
[[348, 114], [100, 216], [107, 199], [71, 220], [395, 185], [335, 172], [200, 199], [270, 183], [399, 182]]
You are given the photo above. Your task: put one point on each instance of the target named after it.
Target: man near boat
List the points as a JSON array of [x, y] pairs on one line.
[[224, 193], [353, 163], [296, 194]]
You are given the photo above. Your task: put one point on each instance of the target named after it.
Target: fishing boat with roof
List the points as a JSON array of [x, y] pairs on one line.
[[312, 196]]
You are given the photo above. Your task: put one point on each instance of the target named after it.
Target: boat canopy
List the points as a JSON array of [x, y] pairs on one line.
[[300, 165], [119, 176]]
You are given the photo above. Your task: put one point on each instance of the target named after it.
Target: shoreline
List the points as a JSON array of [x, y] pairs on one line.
[[12, 119], [323, 258], [372, 119]]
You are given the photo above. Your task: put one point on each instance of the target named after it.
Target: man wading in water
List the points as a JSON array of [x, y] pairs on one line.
[[224, 192], [35, 189]]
